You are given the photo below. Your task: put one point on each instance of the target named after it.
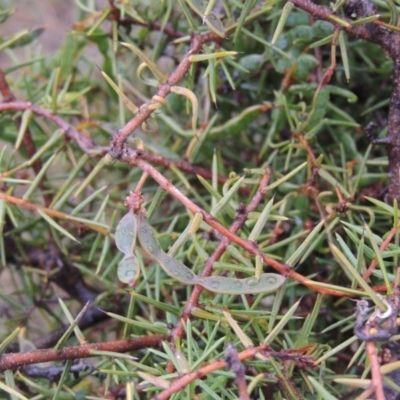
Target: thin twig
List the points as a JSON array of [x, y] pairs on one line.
[[15, 360], [52, 213], [88, 147], [384, 245], [376, 376]]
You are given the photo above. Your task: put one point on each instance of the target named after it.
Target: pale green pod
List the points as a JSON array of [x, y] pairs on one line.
[[147, 239], [125, 234], [177, 270], [218, 284], [173, 268], [128, 270]]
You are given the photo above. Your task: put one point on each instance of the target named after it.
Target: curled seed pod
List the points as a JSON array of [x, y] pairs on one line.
[[175, 269]]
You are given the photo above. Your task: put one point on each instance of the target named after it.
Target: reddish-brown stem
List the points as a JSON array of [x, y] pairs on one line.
[[376, 376], [15, 360], [88, 147], [49, 211], [119, 138], [382, 247]]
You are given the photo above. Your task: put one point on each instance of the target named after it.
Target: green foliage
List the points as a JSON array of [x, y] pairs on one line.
[[247, 102]]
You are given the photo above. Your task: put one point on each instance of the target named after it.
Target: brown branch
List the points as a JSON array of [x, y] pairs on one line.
[[119, 138], [88, 147], [15, 360]]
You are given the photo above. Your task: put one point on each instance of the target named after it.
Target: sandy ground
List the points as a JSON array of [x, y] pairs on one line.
[[56, 16]]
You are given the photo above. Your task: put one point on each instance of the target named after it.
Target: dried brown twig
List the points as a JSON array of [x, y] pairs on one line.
[[15, 360]]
